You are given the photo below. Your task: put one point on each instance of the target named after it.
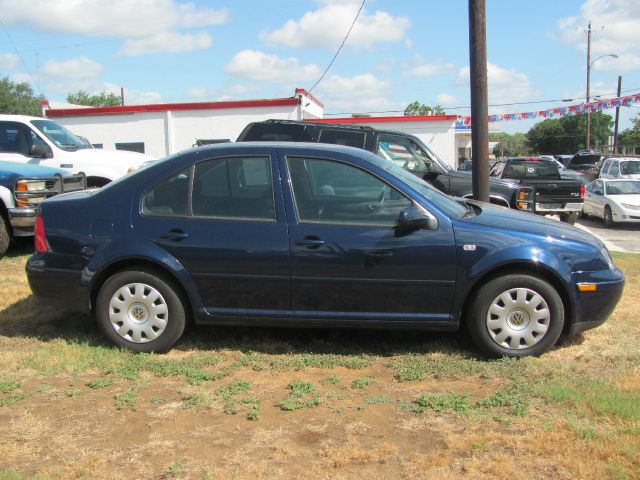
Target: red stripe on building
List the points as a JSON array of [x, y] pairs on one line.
[[165, 107], [403, 118]]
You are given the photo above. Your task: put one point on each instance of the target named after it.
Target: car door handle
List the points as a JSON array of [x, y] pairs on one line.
[[174, 235], [310, 242]]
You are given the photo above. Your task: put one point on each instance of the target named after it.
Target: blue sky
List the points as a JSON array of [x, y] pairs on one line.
[[398, 52]]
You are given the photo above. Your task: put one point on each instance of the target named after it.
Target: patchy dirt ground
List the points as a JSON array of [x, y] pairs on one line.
[[260, 403]]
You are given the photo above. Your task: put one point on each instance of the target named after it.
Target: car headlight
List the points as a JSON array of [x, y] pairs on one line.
[[607, 257], [630, 207]]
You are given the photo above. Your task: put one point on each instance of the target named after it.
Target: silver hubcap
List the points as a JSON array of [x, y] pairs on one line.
[[138, 313], [518, 318]]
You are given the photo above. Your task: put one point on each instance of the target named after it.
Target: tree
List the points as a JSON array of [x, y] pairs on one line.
[[102, 99], [631, 136], [509, 145], [568, 134], [19, 98], [417, 108]]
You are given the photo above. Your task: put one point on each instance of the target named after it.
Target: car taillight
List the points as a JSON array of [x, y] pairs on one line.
[[582, 191], [39, 238]]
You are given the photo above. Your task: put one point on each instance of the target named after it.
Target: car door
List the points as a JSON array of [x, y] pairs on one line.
[[594, 199], [223, 220], [349, 262]]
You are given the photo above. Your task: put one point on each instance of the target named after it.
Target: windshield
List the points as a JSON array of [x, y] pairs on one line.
[[623, 188], [60, 136], [630, 167], [444, 202]]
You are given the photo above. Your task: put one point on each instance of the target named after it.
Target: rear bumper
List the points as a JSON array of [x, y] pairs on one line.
[[57, 286], [593, 308], [567, 208]]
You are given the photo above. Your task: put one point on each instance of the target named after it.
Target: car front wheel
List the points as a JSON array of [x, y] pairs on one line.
[[516, 315], [141, 311], [608, 217]]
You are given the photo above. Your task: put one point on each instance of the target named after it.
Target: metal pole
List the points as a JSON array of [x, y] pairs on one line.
[[588, 80], [121, 95], [479, 100], [615, 128]]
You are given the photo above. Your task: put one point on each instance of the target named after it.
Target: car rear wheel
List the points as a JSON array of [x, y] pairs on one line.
[[608, 217], [516, 315], [141, 311]]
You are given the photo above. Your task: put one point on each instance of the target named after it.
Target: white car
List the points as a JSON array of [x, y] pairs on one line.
[[620, 167], [613, 200], [41, 141]]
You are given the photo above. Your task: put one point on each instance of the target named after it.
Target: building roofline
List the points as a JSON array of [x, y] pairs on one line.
[[403, 118], [164, 107], [308, 95]]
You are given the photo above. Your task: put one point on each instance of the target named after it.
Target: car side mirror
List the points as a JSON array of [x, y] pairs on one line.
[[413, 218], [598, 192], [40, 150]]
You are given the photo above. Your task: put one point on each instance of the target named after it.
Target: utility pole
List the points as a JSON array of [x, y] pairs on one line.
[[615, 128], [122, 96], [588, 80], [479, 100]]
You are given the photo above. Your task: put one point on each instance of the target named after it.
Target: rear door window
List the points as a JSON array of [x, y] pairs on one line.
[[342, 137]]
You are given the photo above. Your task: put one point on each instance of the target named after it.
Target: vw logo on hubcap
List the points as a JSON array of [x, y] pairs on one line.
[[138, 312], [518, 319]]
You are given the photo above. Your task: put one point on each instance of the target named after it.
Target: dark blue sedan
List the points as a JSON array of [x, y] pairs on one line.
[[313, 235]]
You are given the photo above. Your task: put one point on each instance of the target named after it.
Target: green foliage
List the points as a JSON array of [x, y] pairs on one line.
[[510, 145], [631, 136], [96, 384], [19, 98], [362, 382], [300, 396], [11, 399], [379, 400], [568, 134], [127, 400], [438, 402], [172, 470], [195, 399], [515, 398], [331, 380], [9, 384], [102, 99], [412, 367], [417, 108]]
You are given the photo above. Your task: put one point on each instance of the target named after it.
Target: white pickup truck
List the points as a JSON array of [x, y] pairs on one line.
[[44, 142]]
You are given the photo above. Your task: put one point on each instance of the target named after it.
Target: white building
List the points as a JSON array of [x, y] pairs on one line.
[[163, 129]]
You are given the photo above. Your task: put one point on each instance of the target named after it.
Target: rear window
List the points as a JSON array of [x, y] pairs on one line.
[[530, 169], [630, 167], [270, 132], [342, 137]]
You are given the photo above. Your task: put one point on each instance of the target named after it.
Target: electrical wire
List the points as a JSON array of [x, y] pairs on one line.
[[340, 47], [18, 53]]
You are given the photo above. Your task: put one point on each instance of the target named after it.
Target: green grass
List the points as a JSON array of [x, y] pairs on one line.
[[379, 400], [301, 395], [127, 400], [412, 367], [331, 380], [515, 398], [303, 361], [9, 384], [232, 406], [440, 402], [195, 400], [11, 399], [362, 382], [100, 383]]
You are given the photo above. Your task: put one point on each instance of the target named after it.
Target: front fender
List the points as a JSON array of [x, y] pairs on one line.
[[6, 197]]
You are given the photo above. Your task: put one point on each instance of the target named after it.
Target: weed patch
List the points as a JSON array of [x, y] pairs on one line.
[[362, 382], [450, 401], [301, 395], [127, 400], [9, 385], [97, 384]]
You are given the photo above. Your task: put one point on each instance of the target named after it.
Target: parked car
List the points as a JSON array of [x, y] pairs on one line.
[[285, 234], [620, 167], [613, 200], [22, 188], [552, 194], [466, 165], [563, 158], [402, 149], [587, 162], [566, 173], [44, 142]]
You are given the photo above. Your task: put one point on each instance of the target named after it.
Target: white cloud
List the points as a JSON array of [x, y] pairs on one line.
[[620, 21], [256, 65], [166, 42], [9, 61], [504, 85], [70, 75], [420, 68], [327, 26], [360, 93], [446, 99], [115, 18], [231, 92]]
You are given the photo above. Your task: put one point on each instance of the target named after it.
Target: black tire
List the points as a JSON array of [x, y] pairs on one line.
[[569, 218], [489, 340], [174, 319], [4, 236], [583, 215], [608, 217]]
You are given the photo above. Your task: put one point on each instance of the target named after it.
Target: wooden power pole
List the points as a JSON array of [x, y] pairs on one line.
[[479, 100]]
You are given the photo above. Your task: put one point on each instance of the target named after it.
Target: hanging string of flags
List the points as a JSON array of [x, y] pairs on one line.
[[581, 109]]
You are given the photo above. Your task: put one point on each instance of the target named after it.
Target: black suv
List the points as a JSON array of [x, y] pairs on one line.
[[401, 148]]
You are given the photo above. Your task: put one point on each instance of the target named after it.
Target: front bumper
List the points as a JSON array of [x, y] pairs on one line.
[[23, 217], [593, 308]]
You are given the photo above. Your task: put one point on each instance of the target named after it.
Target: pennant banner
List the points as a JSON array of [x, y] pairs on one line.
[[581, 109]]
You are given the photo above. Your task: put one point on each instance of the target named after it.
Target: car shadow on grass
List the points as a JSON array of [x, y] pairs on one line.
[[32, 319]]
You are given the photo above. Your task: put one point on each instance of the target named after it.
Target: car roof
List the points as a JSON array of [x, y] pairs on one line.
[[311, 146], [606, 180], [6, 117]]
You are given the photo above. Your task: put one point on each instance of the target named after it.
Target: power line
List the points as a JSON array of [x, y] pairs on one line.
[[18, 53], [339, 48]]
